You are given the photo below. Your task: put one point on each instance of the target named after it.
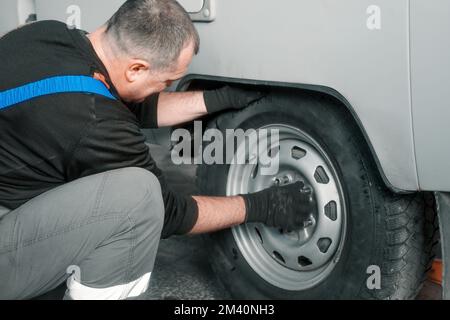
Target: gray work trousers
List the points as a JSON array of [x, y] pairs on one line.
[[99, 233]]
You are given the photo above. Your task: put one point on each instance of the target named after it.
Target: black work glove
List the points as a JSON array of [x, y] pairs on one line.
[[230, 98], [286, 207]]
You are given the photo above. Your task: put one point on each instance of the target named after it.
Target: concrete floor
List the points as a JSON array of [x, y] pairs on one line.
[[182, 270]]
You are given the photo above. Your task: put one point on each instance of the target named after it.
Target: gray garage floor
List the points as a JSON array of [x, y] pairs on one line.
[[182, 270]]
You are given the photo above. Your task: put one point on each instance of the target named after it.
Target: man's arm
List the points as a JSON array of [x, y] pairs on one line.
[[168, 109], [286, 207], [217, 213], [180, 107]]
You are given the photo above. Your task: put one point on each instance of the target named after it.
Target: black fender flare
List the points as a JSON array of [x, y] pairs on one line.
[[189, 79]]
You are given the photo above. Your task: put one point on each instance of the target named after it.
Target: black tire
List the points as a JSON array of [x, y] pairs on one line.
[[395, 232]]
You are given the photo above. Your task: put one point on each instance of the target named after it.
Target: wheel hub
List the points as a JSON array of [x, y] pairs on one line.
[[300, 259]]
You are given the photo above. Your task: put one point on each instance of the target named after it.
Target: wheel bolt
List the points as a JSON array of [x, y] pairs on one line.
[[282, 180], [308, 223]]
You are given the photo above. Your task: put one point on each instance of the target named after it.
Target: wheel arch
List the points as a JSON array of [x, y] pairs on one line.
[[197, 82]]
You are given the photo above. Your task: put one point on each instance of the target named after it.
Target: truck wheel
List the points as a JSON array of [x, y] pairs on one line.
[[365, 242]]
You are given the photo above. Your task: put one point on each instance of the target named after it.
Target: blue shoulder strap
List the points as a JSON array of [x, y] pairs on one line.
[[54, 85]]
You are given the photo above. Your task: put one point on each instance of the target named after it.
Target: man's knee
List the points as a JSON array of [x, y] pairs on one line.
[[152, 203], [135, 191], [138, 180]]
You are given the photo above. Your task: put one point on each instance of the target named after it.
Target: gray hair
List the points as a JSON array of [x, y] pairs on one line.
[[155, 30]]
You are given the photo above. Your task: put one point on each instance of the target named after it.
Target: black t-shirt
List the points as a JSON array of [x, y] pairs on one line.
[[51, 140]]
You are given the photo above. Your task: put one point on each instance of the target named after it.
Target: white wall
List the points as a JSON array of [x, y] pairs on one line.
[[14, 13], [8, 15]]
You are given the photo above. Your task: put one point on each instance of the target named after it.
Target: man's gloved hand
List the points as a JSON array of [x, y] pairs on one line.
[[286, 207], [230, 98]]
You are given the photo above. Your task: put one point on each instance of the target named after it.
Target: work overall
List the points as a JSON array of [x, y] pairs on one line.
[[99, 233]]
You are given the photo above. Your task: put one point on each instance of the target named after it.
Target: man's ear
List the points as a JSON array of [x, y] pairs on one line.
[[136, 69]]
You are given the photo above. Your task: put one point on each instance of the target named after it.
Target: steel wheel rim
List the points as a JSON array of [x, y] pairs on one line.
[[301, 259]]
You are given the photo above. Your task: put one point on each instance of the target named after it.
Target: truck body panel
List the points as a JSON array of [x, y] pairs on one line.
[[374, 54], [430, 79]]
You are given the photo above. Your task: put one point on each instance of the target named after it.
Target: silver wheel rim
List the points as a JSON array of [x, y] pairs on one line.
[[304, 258]]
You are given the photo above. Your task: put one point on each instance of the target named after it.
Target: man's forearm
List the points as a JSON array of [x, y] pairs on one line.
[[219, 213], [180, 107], [287, 207]]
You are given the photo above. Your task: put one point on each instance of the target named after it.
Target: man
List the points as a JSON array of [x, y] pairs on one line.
[[78, 187]]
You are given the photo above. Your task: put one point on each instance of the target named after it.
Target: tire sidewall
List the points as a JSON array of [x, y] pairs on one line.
[[360, 186]]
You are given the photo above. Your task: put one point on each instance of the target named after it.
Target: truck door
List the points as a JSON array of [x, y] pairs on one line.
[[430, 79]]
